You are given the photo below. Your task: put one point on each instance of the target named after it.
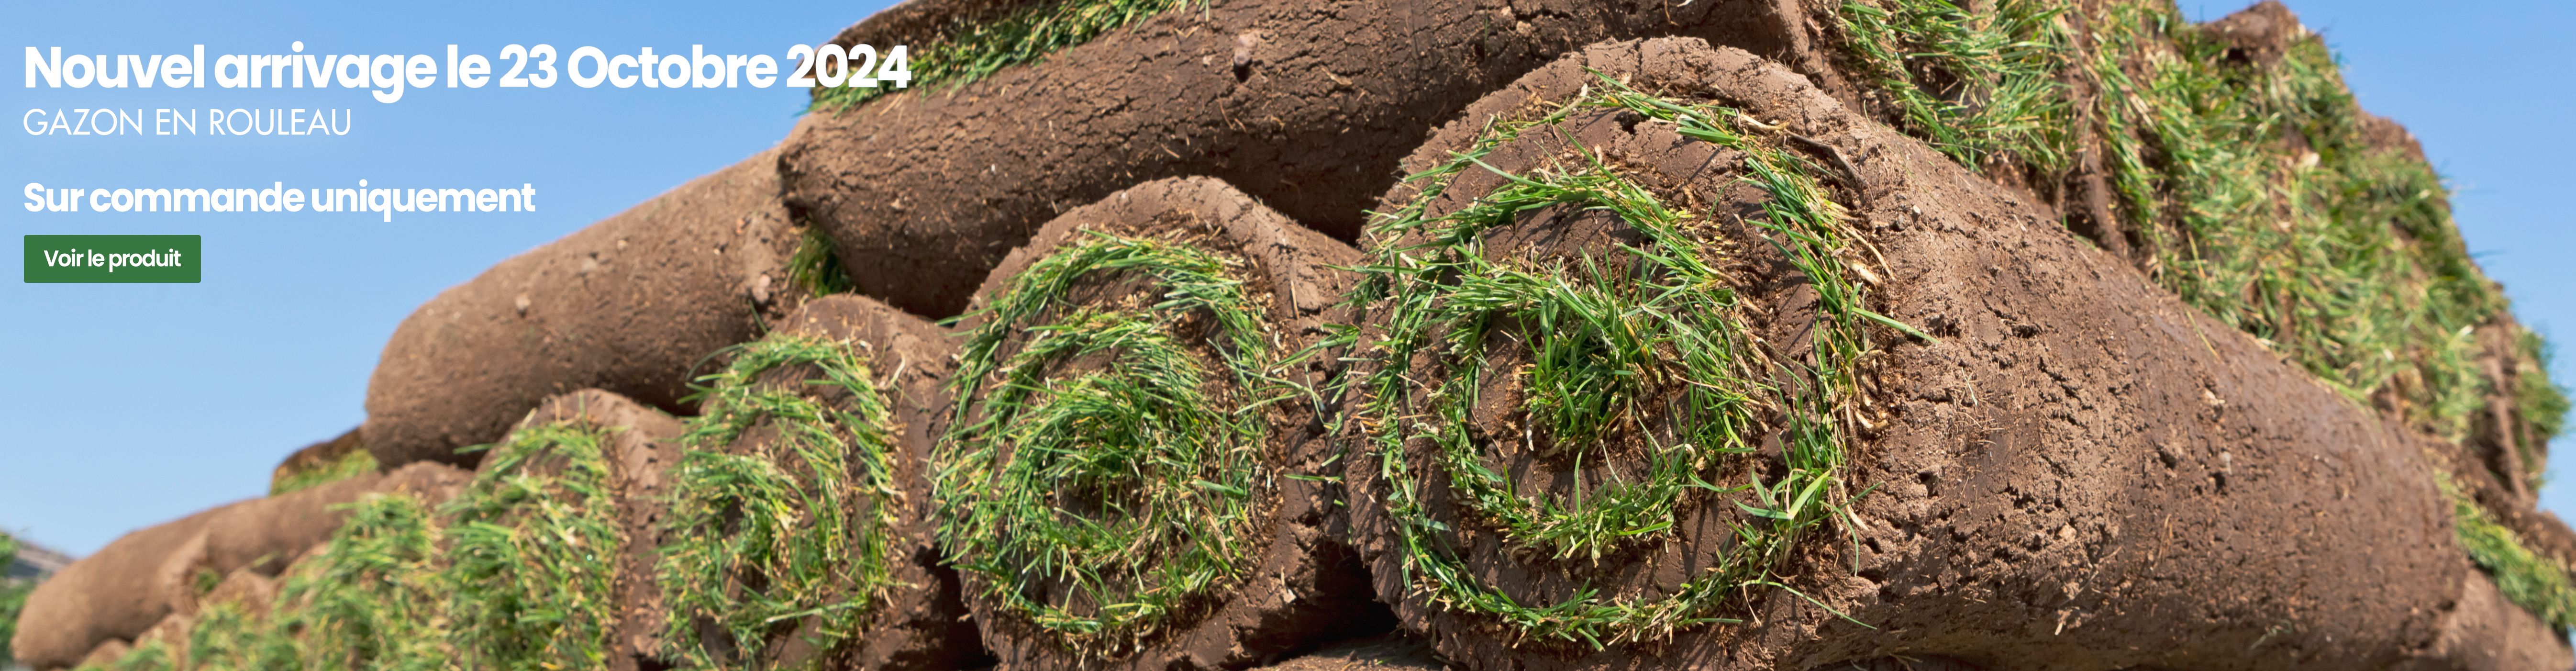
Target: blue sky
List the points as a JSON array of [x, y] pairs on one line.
[[134, 404]]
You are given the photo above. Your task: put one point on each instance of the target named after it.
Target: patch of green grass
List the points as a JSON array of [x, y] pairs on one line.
[[1609, 350], [801, 528], [231, 637], [1980, 86], [514, 573], [374, 598], [531, 547], [2542, 403], [354, 464], [815, 268], [976, 47], [1108, 471], [13, 596], [2536, 583], [2339, 255]]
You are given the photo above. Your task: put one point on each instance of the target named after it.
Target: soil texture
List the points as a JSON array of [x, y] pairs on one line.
[[631, 305]]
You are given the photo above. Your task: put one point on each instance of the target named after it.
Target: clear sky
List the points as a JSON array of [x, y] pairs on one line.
[[129, 405]]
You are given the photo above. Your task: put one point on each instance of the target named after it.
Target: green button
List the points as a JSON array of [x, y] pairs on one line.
[[114, 258]]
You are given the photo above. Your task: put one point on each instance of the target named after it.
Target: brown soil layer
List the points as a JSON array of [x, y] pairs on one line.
[[1304, 105], [628, 305], [1301, 582], [264, 534], [172, 634], [1387, 651], [432, 483], [1900, 663], [2505, 441], [2081, 472], [922, 625], [107, 652], [251, 590]]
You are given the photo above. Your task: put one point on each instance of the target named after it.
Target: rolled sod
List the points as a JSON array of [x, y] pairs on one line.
[[551, 549], [109, 596], [1670, 359], [798, 530], [146, 576], [1134, 473]]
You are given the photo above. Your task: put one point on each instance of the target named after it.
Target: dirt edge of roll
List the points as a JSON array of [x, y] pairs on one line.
[[631, 304], [1307, 113]]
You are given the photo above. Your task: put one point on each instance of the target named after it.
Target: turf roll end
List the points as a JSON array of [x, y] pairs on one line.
[[1136, 475]]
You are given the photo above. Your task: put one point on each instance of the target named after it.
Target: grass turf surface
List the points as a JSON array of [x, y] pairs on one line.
[[531, 548], [1099, 499], [512, 574], [355, 463], [800, 527], [1608, 350], [13, 596]]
